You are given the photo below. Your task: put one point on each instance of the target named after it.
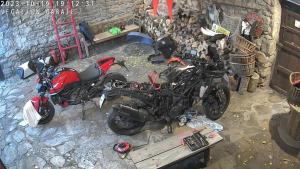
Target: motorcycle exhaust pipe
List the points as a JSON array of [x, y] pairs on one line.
[[135, 114]]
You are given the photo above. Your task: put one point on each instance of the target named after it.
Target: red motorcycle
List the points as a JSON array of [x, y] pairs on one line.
[[67, 87]]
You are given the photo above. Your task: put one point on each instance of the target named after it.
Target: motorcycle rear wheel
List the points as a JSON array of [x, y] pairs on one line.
[[47, 116], [216, 101], [123, 125]]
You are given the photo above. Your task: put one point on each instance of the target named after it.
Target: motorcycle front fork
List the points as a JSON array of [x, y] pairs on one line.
[[83, 110]]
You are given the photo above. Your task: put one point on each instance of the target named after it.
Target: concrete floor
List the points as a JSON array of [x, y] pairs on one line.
[[250, 141]]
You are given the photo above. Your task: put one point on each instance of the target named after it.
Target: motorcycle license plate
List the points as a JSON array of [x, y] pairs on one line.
[[101, 100]]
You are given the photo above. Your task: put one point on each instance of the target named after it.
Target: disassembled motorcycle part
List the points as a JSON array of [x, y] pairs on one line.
[[195, 141], [122, 149]]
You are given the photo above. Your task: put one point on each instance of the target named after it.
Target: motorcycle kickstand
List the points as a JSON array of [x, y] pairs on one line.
[[169, 128], [83, 111]]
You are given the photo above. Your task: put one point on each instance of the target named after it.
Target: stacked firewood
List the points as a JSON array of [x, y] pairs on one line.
[[184, 28]]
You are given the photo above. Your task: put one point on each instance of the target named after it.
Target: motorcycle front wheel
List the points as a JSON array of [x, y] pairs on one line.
[[216, 101], [123, 125], [47, 112]]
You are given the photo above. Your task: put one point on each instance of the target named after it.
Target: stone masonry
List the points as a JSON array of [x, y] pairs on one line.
[[26, 28], [186, 30]]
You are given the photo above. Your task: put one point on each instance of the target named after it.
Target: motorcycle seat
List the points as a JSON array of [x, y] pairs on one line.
[[90, 73]]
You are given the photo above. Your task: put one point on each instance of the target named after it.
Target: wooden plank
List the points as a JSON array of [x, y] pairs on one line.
[[108, 36], [163, 146], [155, 149], [173, 155]]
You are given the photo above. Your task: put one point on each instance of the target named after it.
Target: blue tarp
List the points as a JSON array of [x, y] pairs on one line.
[[140, 37]]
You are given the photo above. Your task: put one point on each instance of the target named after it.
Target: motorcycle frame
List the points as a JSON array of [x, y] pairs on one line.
[[163, 94]]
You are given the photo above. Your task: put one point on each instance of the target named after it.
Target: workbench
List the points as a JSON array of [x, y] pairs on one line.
[[170, 150]]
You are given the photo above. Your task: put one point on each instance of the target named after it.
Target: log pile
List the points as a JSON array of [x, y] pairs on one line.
[[184, 28], [188, 18]]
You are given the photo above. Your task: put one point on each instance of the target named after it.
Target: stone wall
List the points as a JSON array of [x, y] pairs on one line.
[[26, 29], [186, 30]]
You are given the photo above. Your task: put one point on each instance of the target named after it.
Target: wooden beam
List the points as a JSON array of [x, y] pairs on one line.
[[101, 37]]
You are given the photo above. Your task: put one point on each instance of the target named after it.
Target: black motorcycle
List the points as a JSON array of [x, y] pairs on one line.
[[203, 80]]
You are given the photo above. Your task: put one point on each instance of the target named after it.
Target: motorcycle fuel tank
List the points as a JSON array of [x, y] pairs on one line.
[[64, 78]]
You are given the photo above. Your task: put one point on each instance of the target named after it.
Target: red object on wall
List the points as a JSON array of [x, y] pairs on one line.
[[155, 6], [254, 17], [169, 4], [170, 8]]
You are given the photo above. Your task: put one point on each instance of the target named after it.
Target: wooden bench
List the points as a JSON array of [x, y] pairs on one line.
[[100, 30], [171, 150]]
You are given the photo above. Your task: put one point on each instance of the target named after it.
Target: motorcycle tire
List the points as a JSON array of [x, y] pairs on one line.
[[115, 115], [50, 115], [211, 103], [111, 78]]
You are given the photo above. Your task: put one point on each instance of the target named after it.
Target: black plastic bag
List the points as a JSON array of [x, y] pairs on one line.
[[84, 28]]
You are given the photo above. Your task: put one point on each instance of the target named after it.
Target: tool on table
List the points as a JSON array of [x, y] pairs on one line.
[[196, 141]]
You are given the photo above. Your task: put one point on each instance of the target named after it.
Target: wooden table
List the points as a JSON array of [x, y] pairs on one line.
[[168, 151], [105, 36]]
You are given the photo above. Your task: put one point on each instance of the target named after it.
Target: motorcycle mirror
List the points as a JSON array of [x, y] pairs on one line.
[[122, 64]]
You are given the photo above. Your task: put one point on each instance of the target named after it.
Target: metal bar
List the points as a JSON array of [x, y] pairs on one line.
[[69, 47], [66, 35], [64, 23]]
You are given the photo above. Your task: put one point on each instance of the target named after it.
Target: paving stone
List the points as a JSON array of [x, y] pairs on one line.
[[23, 148], [47, 167], [1, 132], [56, 139], [18, 136], [23, 123], [76, 127], [37, 162], [86, 164], [2, 111], [58, 161], [9, 138], [66, 147], [34, 132], [11, 97], [13, 167], [47, 152], [15, 92], [18, 116], [89, 153], [9, 154], [73, 167], [48, 132], [6, 91]]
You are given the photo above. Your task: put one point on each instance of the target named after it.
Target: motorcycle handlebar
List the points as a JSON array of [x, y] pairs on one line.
[[121, 63]]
